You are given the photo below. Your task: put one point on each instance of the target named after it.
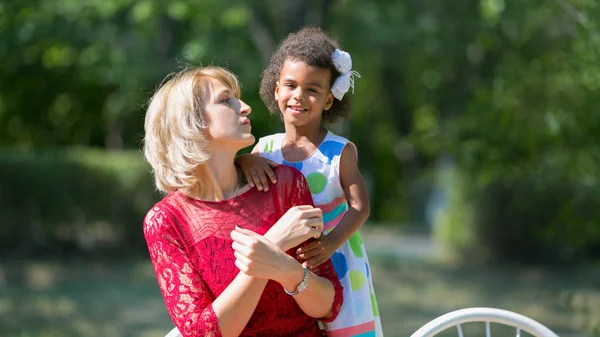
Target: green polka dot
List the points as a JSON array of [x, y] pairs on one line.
[[355, 243], [374, 304], [316, 182], [357, 280]]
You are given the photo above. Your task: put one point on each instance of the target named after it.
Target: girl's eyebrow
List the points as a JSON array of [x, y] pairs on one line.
[[291, 80]]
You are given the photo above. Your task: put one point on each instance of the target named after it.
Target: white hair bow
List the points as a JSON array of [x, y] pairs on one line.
[[343, 63]]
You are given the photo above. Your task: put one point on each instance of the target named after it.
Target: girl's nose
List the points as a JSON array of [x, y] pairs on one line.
[[298, 94]]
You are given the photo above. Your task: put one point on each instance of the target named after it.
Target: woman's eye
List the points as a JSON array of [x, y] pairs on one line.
[[225, 101]]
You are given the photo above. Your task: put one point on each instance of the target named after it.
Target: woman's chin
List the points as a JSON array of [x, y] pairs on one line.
[[247, 139]]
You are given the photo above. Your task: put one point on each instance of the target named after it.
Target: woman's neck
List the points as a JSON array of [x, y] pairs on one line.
[[219, 177]]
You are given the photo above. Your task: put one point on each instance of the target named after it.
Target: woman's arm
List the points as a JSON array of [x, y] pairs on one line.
[[186, 296], [321, 299], [259, 257]]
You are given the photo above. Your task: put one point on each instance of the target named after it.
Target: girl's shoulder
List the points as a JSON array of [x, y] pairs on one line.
[[332, 137], [270, 143], [333, 145]]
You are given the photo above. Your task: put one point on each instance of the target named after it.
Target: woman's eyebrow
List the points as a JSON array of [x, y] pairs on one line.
[[223, 92]]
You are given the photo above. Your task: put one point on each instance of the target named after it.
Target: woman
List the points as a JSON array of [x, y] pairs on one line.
[[219, 247]]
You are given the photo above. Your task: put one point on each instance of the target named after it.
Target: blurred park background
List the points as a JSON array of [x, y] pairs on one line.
[[477, 124]]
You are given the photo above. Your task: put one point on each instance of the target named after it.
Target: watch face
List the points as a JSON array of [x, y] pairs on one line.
[[302, 286]]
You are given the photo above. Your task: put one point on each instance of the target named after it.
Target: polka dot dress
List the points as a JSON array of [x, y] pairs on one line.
[[359, 315]]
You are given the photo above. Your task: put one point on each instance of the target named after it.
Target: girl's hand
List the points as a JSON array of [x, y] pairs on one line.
[[297, 225], [258, 257], [256, 169], [316, 252]]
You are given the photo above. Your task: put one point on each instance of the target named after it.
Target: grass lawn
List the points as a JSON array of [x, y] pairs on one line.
[[121, 298]]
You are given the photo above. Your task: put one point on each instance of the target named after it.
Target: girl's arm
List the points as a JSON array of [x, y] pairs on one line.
[[257, 169], [188, 300], [357, 197], [355, 190]]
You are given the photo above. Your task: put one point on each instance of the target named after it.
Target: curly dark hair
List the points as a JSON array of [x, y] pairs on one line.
[[314, 47]]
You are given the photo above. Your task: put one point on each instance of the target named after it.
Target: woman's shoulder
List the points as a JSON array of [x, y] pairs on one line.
[[287, 174], [159, 216]]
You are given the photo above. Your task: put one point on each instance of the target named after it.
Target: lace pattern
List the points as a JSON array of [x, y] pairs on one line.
[[190, 249]]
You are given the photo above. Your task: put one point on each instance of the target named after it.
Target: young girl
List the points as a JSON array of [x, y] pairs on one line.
[[305, 83]]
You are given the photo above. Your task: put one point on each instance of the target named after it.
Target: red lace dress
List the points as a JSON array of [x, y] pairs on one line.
[[190, 249]]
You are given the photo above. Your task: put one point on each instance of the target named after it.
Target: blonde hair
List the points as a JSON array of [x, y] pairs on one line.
[[175, 141]]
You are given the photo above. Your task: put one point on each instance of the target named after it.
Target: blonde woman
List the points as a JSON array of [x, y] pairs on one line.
[[222, 251]]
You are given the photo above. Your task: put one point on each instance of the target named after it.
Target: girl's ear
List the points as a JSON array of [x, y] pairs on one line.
[[328, 101], [277, 90]]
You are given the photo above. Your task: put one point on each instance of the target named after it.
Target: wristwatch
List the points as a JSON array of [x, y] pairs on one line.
[[302, 286]]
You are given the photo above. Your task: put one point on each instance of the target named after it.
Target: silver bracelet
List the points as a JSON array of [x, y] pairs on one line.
[[302, 286]]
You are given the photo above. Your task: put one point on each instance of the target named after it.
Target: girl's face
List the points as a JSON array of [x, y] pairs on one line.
[[302, 92], [228, 124]]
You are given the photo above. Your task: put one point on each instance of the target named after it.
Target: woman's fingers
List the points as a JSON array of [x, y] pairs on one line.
[[313, 212], [317, 225], [243, 258]]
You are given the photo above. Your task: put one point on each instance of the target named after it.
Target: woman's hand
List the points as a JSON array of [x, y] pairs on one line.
[[256, 169], [258, 257], [297, 225]]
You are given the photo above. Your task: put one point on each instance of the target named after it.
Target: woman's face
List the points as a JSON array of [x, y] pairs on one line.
[[227, 117]]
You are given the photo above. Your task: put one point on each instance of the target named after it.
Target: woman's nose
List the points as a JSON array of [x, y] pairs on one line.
[[245, 109]]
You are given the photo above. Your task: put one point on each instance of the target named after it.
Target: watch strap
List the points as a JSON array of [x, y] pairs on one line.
[[302, 286]]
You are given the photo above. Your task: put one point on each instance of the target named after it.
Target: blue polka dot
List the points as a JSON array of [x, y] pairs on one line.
[[367, 267], [297, 165], [339, 264], [331, 149]]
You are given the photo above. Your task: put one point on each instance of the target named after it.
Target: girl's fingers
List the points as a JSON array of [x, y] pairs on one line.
[[248, 178], [271, 174], [309, 246], [256, 180], [309, 255], [263, 180], [272, 163], [315, 262]]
